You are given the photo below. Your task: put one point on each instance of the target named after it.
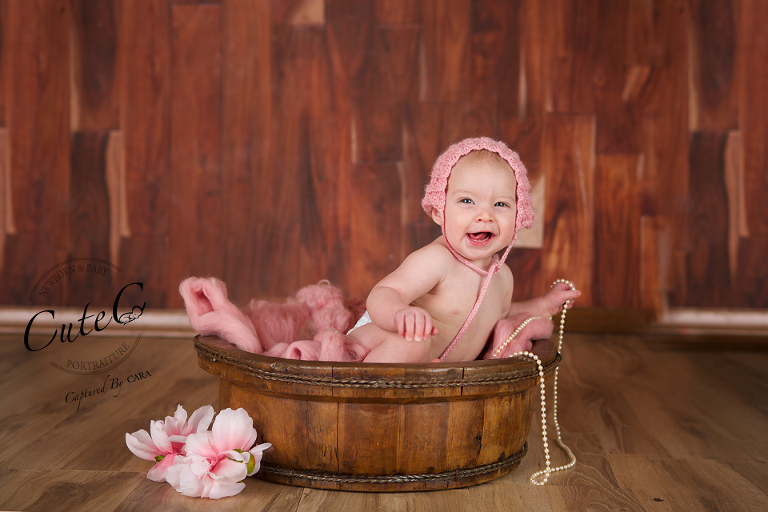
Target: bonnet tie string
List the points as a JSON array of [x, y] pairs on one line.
[[495, 266]]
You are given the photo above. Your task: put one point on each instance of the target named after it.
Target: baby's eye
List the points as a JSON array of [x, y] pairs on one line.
[[501, 204], [466, 200]]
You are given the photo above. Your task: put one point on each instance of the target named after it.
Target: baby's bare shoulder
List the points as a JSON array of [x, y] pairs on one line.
[[434, 253], [424, 267], [505, 275]]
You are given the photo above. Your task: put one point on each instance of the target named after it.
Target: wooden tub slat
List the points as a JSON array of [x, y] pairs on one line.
[[368, 435], [421, 449], [323, 437]]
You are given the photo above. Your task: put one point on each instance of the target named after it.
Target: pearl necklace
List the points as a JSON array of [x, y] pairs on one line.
[[571, 457]]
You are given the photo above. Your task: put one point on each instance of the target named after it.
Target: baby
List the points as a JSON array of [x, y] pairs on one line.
[[443, 301]]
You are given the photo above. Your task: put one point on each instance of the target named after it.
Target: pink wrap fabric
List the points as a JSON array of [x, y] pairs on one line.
[[309, 326]]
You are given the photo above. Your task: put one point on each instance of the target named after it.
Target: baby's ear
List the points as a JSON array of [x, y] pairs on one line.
[[437, 217]]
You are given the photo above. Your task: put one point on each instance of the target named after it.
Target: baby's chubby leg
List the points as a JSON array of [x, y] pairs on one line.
[[397, 350], [390, 347]]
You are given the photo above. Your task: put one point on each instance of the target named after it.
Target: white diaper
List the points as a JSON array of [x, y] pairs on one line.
[[364, 320]]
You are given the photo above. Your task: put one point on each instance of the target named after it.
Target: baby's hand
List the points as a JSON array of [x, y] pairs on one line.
[[414, 324], [558, 295]]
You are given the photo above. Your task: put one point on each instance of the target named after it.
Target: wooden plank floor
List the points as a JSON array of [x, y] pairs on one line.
[[654, 428]]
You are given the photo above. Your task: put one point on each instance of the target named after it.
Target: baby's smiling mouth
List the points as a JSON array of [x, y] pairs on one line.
[[480, 238]]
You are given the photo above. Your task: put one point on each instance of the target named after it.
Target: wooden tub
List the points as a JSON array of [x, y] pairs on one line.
[[376, 427]]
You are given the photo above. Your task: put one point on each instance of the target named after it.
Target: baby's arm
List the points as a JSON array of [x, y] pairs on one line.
[[548, 304], [389, 303], [410, 322]]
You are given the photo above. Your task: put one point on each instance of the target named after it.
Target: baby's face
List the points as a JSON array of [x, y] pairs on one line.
[[480, 209]]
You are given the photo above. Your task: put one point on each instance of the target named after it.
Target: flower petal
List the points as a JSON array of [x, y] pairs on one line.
[[160, 437], [224, 490], [235, 455], [141, 445], [233, 430], [184, 481], [207, 483], [200, 466], [200, 420], [173, 475], [256, 454], [180, 415], [229, 469], [175, 424], [202, 444], [159, 471]]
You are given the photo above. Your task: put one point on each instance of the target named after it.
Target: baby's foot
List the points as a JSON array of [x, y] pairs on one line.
[[520, 346], [515, 346], [560, 294]]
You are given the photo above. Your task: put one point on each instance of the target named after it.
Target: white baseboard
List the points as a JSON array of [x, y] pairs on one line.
[[167, 323]]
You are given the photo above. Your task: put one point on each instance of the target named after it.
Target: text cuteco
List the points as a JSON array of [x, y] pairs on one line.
[[122, 319]]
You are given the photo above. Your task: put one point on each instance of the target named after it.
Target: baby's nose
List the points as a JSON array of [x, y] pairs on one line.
[[484, 215]]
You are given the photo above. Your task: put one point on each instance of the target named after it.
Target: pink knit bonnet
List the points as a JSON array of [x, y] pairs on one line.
[[435, 192], [435, 199]]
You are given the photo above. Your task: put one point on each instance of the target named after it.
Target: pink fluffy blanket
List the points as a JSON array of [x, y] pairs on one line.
[[310, 326]]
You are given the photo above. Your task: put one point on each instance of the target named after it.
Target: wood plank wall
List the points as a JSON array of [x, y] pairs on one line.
[[276, 143]]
